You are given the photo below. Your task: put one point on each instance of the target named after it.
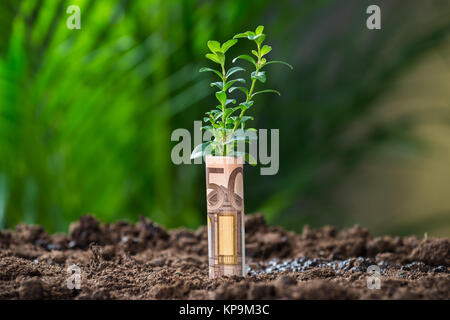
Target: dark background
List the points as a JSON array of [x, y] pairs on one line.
[[86, 115]]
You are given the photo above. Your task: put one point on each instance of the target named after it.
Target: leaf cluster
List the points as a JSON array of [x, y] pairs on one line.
[[230, 114]]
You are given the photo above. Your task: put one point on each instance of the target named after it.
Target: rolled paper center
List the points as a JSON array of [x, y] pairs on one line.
[[225, 206]]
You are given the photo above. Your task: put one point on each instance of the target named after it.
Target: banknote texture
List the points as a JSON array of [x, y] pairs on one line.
[[225, 206]]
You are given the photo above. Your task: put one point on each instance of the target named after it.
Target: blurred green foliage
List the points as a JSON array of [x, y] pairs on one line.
[[86, 115]]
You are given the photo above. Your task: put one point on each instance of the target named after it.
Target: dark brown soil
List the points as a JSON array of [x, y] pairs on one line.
[[144, 261]]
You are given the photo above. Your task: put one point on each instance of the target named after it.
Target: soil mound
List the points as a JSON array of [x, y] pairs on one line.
[[144, 261]]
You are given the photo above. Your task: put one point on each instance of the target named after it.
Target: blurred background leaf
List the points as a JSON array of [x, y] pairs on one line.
[[86, 115]]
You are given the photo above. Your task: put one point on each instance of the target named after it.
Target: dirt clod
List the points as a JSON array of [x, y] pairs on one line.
[[144, 261], [31, 289]]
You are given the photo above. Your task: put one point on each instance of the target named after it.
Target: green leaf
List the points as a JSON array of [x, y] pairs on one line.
[[245, 57], [227, 45], [214, 46], [260, 38], [255, 53], [230, 83], [212, 112], [229, 111], [228, 101], [260, 75], [282, 62], [221, 56], [206, 128], [259, 29], [221, 96], [240, 35], [246, 105], [266, 91], [218, 85], [213, 57], [265, 50], [230, 121], [211, 70], [255, 37], [199, 150], [246, 34], [246, 118], [243, 89], [233, 70]]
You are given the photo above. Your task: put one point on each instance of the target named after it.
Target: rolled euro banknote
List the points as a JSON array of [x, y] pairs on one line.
[[225, 206]]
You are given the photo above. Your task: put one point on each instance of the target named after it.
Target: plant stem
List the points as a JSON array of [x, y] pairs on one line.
[[224, 81], [250, 92]]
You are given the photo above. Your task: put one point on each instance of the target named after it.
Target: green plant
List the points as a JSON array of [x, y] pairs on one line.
[[230, 116]]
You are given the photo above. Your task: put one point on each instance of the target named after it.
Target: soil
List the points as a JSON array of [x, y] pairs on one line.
[[144, 261]]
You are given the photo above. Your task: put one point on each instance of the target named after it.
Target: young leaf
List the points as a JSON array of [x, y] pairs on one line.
[[246, 105], [221, 96], [227, 45], [259, 29], [255, 53], [248, 34], [254, 36], [240, 35], [200, 150], [210, 70], [229, 111], [265, 50], [230, 120], [243, 89], [212, 112], [213, 57], [218, 115], [260, 75], [260, 38], [246, 118], [266, 91], [234, 70], [214, 46], [245, 57], [228, 101], [282, 62], [218, 85], [230, 83]]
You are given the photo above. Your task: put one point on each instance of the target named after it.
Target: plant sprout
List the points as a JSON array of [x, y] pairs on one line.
[[229, 116]]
